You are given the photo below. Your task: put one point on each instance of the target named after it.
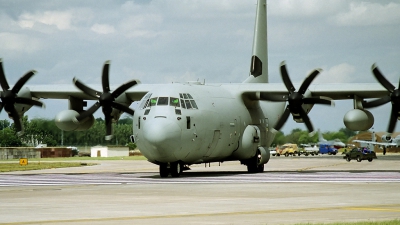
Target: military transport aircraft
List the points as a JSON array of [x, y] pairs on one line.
[[180, 124]]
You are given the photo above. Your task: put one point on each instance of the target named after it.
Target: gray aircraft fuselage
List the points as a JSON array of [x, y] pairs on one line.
[[211, 130]]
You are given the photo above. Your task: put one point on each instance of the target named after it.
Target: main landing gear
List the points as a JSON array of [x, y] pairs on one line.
[[174, 168]]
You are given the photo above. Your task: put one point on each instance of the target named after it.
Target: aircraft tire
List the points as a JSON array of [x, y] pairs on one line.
[[175, 169], [164, 171]]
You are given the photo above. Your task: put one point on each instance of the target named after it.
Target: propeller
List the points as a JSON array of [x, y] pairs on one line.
[[393, 97], [9, 97], [296, 99], [105, 99]]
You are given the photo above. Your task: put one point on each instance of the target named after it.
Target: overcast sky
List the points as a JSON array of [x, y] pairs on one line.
[[165, 41]]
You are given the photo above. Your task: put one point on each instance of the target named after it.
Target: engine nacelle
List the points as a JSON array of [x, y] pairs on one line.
[[357, 119], [65, 121], [387, 138], [249, 143]]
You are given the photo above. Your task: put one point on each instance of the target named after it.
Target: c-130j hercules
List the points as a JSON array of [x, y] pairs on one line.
[[180, 124]]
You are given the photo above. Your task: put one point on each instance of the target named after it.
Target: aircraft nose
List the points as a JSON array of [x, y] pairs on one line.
[[163, 136]]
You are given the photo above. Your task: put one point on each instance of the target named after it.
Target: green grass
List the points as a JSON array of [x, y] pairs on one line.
[[388, 222], [15, 166], [62, 159]]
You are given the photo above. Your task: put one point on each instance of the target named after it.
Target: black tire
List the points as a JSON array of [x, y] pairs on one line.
[[359, 158], [370, 160], [286, 154], [164, 171], [348, 159], [175, 169], [252, 164]]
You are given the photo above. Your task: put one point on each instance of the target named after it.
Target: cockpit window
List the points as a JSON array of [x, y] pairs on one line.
[[187, 101], [162, 101], [145, 101], [194, 106], [174, 102], [153, 101]]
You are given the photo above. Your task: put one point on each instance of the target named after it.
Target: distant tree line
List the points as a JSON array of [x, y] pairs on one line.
[[37, 131], [45, 131], [298, 136]]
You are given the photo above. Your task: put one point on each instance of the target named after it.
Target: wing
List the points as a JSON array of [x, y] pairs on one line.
[[376, 143]]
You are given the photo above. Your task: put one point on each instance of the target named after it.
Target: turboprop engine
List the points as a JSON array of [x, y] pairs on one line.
[[358, 119], [387, 138], [66, 120]]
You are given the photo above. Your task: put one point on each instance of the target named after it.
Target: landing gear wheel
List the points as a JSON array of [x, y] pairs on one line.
[[252, 164], [164, 171], [175, 169]]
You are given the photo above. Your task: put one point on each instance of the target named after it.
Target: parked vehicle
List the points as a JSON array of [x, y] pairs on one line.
[[288, 149], [360, 154], [311, 150], [327, 149], [272, 151]]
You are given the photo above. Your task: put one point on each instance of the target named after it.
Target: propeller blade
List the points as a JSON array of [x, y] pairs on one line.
[[29, 101], [109, 134], [21, 82], [306, 83], [104, 78], [377, 102], [88, 112], [306, 120], [123, 108], [17, 120], [393, 118], [286, 79], [273, 98], [1, 106], [319, 100], [283, 119], [121, 89], [3, 80], [382, 79], [87, 90]]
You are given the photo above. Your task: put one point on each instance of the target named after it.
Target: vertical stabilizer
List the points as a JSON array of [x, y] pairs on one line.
[[259, 59], [320, 137]]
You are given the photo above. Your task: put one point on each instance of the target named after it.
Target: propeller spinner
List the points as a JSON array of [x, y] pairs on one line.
[[393, 97], [106, 99], [296, 99], [9, 97]]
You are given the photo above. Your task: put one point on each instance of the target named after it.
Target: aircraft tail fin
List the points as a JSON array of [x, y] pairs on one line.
[[259, 59], [320, 137]]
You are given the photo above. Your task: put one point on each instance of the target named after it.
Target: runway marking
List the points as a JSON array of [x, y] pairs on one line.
[[9, 180], [206, 214], [373, 209]]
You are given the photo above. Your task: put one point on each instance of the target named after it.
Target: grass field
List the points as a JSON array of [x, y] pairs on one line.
[[52, 163]]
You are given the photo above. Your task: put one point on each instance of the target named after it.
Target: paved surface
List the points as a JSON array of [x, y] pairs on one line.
[[292, 190]]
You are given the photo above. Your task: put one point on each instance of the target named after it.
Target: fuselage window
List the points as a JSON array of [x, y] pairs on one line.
[[178, 112], [185, 96], [188, 122], [146, 112], [180, 95], [189, 96], [174, 102], [162, 101]]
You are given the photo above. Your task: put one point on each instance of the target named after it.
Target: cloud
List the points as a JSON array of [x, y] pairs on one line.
[[102, 28], [342, 73], [62, 20], [367, 13], [18, 42]]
